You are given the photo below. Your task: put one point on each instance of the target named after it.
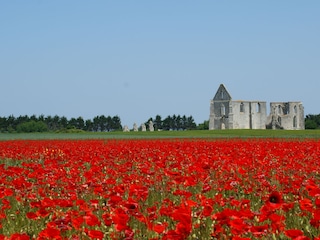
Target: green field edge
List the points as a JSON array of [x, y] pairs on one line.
[[243, 133]]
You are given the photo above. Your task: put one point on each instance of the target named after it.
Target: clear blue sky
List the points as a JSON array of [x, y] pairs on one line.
[[137, 59]]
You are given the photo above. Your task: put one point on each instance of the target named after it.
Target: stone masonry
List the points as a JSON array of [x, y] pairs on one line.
[[228, 114]]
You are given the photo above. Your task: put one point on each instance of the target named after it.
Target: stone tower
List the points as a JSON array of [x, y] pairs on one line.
[[220, 109]]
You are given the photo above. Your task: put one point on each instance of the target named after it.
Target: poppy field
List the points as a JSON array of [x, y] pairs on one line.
[[160, 189]]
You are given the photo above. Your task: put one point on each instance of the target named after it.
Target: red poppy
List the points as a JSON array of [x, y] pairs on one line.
[[277, 222], [275, 197], [42, 212], [293, 233], [140, 183], [259, 230], [19, 236], [160, 227], [50, 233], [92, 220], [77, 222], [107, 219], [31, 215], [306, 204], [95, 234], [315, 221], [121, 219]]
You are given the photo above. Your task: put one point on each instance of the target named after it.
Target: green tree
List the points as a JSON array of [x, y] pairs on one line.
[[22, 119], [191, 125], [178, 123], [96, 124], [80, 123], [103, 123], [72, 123], [41, 118], [88, 125], [55, 122], [48, 121], [184, 122], [116, 123], [34, 118], [11, 123], [109, 124], [63, 123], [32, 126], [157, 122], [204, 125], [312, 121], [3, 124]]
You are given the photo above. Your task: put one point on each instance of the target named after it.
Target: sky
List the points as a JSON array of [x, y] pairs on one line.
[[138, 59]]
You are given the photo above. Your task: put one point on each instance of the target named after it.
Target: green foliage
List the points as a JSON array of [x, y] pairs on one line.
[[32, 126], [28, 124], [312, 121], [174, 122], [204, 125], [310, 124]]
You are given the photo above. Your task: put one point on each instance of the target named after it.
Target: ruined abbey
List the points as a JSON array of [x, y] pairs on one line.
[[228, 114]]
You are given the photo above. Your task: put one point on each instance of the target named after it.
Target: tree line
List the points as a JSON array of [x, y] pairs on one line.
[[174, 122], [108, 123], [56, 123], [97, 124]]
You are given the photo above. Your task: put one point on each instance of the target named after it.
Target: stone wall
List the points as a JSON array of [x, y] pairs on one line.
[[228, 114], [286, 115], [220, 114], [249, 114]]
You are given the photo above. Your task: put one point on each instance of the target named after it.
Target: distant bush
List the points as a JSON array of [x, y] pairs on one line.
[[204, 125], [312, 121], [32, 126]]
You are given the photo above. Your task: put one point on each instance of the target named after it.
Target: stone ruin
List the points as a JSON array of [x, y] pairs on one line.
[[151, 128], [126, 128], [226, 113]]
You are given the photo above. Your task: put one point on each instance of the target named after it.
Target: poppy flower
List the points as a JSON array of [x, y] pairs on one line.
[[160, 227], [306, 204], [259, 230], [50, 233], [275, 197], [95, 234], [92, 220], [18, 236], [293, 233], [31, 215]]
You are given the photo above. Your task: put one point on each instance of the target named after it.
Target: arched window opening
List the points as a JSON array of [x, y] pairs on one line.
[[294, 121], [223, 110], [258, 107], [241, 107], [295, 109], [279, 120], [279, 109], [222, 95]]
